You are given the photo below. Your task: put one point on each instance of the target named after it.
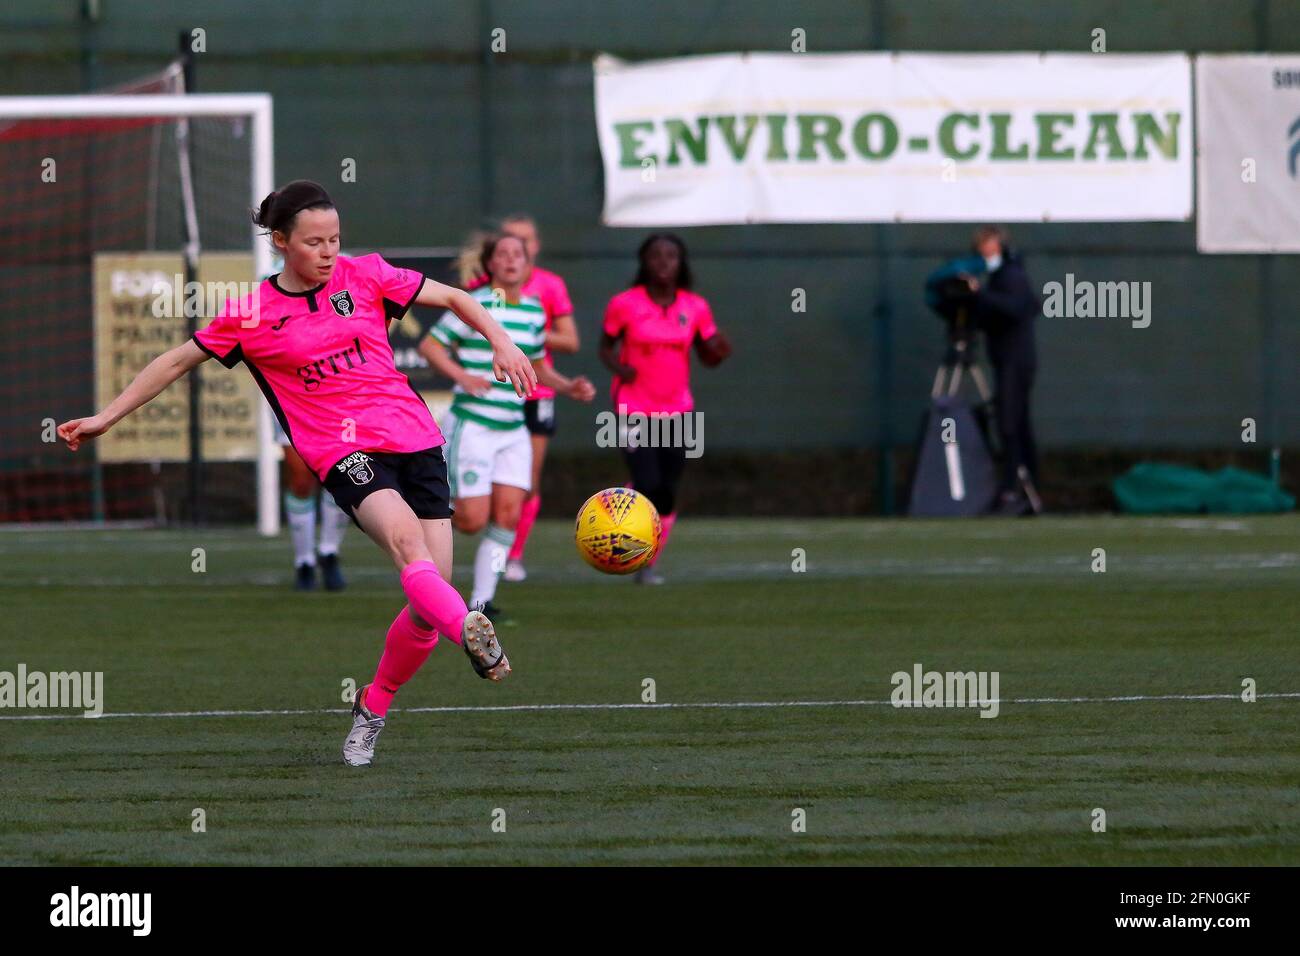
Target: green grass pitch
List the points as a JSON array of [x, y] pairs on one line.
[[1185, 607]]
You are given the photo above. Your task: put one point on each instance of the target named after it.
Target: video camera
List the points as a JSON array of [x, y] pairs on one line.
[[949, 294], [952, 296]]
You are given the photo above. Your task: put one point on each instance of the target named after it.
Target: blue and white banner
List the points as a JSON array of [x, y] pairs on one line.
[[1248, 153]]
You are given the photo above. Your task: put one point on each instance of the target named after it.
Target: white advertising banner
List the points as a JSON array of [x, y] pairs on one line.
[[1248, 153], [879, 137]]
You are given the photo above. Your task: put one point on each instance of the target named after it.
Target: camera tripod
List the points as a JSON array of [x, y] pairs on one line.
[[959, 362]]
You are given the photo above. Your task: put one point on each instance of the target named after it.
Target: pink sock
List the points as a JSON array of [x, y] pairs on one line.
[[527, 515], [405, 649], [666, 523], [434, 599]]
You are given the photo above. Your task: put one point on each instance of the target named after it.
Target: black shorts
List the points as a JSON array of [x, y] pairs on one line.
[[533, 416], [420, 477], [656, 473]]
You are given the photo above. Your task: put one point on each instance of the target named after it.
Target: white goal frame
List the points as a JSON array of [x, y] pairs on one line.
[[256, 108]]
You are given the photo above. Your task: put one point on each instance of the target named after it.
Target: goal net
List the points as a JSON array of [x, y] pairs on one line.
[[121, 216]]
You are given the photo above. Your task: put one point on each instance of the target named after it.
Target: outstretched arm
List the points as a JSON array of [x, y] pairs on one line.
[[509, 364], [563, 335], [436, 354], [146, 386], [579, 389]]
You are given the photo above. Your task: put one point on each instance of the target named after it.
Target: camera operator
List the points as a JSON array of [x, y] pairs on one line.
[[999, 299]]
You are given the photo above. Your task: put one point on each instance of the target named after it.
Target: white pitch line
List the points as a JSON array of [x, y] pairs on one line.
[[685, 705]]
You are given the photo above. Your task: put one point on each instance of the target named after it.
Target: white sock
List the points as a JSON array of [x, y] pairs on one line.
[[302, 527], [333, 522], [489, 562]]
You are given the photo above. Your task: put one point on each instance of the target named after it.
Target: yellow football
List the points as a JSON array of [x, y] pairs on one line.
[[617, 531]]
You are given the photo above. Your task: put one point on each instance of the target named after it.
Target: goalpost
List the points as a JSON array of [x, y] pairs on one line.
[[122, 182]]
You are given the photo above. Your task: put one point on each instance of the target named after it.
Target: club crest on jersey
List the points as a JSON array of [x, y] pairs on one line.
[[358, 468], [342, 302], [682, 319]]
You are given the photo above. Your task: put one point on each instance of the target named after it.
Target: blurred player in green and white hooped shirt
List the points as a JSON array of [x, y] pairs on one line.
[[489, 451]]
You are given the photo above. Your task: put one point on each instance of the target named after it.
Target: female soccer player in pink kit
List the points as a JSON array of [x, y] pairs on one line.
[[648, 334], [315, 339]]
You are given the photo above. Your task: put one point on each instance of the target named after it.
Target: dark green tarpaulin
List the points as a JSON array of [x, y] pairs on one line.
[[1152, 488]]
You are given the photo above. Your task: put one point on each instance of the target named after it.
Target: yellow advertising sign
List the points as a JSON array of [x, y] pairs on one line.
[[138, 316]]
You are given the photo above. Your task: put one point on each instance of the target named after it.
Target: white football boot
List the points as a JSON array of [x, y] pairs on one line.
[[515, 572], [359, 748], [479, 639]]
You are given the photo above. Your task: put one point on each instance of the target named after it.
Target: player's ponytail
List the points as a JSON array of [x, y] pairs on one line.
[[279, 209], [469, 268]]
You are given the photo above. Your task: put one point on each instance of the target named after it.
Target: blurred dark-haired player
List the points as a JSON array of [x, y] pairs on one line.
[[648, 335]]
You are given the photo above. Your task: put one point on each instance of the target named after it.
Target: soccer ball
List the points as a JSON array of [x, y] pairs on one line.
[[617, 531]]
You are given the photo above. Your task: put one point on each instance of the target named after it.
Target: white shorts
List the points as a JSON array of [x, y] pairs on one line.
[[479, 457]]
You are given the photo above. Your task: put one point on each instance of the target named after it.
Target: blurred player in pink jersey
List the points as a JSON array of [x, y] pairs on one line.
[[647, 337], [561, 336], [315, 339]]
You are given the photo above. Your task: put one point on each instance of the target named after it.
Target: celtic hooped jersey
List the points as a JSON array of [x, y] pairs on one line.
[[525, 322]]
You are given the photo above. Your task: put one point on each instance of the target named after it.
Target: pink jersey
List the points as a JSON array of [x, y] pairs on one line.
[[323, 360], [657, 343], [550, 288]]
